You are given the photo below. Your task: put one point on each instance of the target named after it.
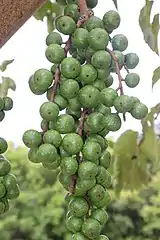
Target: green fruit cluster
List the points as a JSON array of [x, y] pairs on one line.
[[9, 188], [80, 110]]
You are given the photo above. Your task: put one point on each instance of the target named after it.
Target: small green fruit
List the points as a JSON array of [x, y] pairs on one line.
[[91, 228], [139, 111], [69, 89], [47, 153], [78, 207], [87, 170], [65, 124], [3, 145], [65, 25], [98, 39], [55, 53], [52, 137], [101, 59], [69, 165], [80, 38], [119, 42], [131, 60], [32, 138], [108, 96], [132, 80], [72, 143], [49, 111], [89, 96], [54, 38], [70, 67]]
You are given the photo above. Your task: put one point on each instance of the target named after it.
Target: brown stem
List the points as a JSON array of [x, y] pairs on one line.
[[72, 184], [120, 79], [80, 127], [84, 13]]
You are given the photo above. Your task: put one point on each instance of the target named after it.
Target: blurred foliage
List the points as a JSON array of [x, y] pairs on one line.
[[39, 212]]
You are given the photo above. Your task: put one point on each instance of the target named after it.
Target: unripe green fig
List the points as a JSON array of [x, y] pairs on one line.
[[87, 170], [65, 124], [80, 38], [55, 53], [89, 96], [101, 59], [49, 111], [91, 228], [113, 122], [131, 60], [91, 3], [105, 159], [108, 96], [111, 20], [33, 155], [72, 143], [119, 42], [100, 215], [47, 153], [98, 39], [78, 207], [71, 10], [123, 104], [91, 151], [69, 165], [132, 80], [52, 137], [65, 25], [78, 236], [88, 74], [93, 22], [96, 194], [74, 224], [32, 138], [69, 89], [70, 67], [53, 38], [8, 103], [139, 111], [3, 145]]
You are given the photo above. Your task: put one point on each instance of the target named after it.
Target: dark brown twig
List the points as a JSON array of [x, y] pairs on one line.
[[84, 13]]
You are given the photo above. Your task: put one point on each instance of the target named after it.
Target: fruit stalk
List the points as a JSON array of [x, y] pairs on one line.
[[83, 12], [120, 87]]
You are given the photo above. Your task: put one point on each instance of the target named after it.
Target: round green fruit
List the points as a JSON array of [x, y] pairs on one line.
[[111, 20], [74, 104], [94, 22], [105, 159], [98, 139], [13, 191], [74, 224], [139, 111], [91, 228], [33, 155], [103, 237], [91, 3], [87, 170], [113, 122], [104, 177], [99, 84], [132, 80], [78, 207], [98, 39], [91, 151], [9, 179], [52, 137], [104, 202], [47, 153], [65, 25], [78, 236], [34, 87], [3, 145], [119, 42], [88, 74], [49, 111], [123, 104], [54, 38], [43, 78], [69, 89], [80, 38], [97, 193], [69, 165], [101, 59], [8, 103], [109, 81], [60, 101], [72, 143], [32, 138], [95, 122], [5, 167], [131, 60], [65, 124], [89, 96], [55, 53], [101, 108], [70, 67], [108, 96], [71, 10], [52, 166], [100, 215]]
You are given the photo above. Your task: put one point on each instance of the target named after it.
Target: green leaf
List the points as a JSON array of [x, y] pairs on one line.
[[115, 3], [7, 83], [47, 9], [150, 31], [156, 76], [126, 144], [4, 64]]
